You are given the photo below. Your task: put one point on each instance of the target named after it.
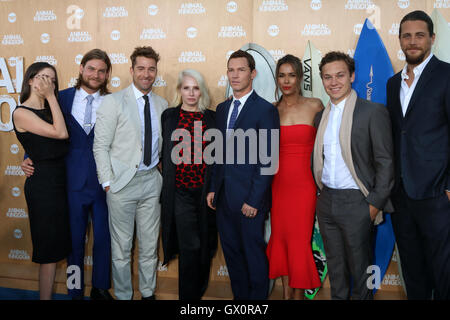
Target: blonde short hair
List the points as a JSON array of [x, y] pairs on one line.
[[204, 101]]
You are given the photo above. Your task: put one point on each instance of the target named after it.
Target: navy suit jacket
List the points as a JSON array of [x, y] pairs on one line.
[[80, 163], [421, 137], [243, 183]]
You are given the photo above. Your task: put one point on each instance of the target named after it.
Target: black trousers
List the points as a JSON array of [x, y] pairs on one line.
[[347, 232], [191, 279], [422, 232]]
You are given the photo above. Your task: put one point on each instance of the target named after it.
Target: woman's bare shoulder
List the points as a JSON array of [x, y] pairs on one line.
[[22, 113], [315, 104]]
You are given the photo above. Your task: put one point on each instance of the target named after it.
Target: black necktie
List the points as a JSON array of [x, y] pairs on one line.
[[148, 133]]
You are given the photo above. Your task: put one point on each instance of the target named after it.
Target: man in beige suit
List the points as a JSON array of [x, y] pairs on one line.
[[126, 149]]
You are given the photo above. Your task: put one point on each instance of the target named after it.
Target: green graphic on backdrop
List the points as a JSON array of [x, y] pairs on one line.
[[319, 258]]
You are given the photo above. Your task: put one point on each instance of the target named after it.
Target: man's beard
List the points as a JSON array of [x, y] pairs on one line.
[[415, 60], [88, 85]]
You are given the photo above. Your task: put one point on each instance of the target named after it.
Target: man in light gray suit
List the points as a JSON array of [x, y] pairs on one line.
[[353, 168], [127, 145]]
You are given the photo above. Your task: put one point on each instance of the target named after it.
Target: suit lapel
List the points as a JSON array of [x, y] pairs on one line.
[[423, 80], [67, 99], [173, 122], [133, 110], [397, 106], [227, 110]]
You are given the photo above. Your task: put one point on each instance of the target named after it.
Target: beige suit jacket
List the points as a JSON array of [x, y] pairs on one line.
[[117, 142]]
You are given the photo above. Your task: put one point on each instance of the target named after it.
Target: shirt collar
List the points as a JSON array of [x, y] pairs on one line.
[[340, 105], [417, 70], [243, 99], [84, 94], [138, 94]]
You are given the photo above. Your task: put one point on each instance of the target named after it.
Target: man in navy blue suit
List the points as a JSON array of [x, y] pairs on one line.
[[240, 187], [418, 100], [85, 194]]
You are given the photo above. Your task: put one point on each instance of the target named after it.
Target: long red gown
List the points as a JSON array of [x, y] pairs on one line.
[[293, 208]]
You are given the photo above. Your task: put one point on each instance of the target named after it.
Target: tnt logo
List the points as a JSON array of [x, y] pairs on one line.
[[78, 58], [115, 82], [273, 30], [15, 192], [316, 4], [18, 234], [232, 7], [14, 149], [191, 32], [45, 38], [12, 61], [403, 4], [152, 10], [115, 35], [12, 17]]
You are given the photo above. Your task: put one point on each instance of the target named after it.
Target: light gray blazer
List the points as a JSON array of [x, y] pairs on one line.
[[117, 142]]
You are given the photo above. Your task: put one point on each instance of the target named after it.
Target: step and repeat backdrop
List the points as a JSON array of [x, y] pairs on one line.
[[199, 34]]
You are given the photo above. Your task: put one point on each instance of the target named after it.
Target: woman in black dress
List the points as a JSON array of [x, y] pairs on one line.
[[188, 225], [40, 128]]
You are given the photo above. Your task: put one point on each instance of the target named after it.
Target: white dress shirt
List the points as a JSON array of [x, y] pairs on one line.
[[242, 100], [155, 128], [406, 92], [335, 172], [79, 105]]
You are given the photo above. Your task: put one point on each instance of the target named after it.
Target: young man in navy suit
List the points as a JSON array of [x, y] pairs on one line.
[[418, 100], [85, 194], [240, 188]]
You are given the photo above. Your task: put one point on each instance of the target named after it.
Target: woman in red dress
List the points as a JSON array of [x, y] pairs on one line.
[[293, 188]]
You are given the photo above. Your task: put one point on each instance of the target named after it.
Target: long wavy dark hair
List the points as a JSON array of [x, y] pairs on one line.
[[296, 64], [31, 72], [100, 55]]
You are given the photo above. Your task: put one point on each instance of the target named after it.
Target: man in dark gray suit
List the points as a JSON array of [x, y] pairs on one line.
[[353, 168]]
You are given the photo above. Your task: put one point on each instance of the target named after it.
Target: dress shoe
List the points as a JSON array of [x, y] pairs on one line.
[[100, 294], [152, 297]]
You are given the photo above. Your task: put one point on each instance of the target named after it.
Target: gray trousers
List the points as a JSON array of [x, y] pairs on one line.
[[347, 231], [137, 202]]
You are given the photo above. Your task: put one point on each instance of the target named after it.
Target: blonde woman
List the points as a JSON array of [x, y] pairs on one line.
[[188, 224]]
